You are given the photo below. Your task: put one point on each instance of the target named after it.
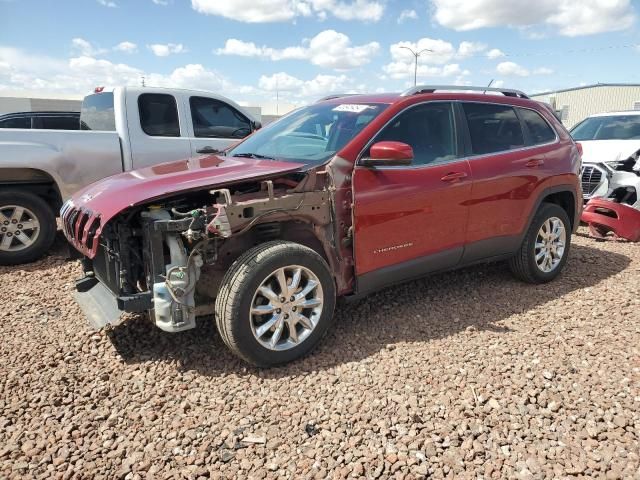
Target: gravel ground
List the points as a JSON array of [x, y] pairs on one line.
[[465, 375]]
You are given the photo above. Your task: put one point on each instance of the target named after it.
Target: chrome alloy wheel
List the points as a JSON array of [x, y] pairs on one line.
[[19, 228], [286, 308], [550, 244]]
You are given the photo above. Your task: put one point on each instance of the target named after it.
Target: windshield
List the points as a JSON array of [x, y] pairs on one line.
[[618, 127], [97, 112], [311, 134]]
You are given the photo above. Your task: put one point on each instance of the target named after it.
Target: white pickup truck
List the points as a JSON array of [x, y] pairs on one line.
[[123, 128]]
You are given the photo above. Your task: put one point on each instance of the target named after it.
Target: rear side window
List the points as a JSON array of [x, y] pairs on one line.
[[18, 122], [97, 112], [215, 119], [57, 123], [159, 115], [493, 128], [539, 130], [428, 128]]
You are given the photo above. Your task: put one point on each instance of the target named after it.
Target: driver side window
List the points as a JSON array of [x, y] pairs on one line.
[[215, 119], [428, 128]]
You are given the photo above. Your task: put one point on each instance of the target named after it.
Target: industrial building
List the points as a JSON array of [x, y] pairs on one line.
[[26, 104], [575, 104]]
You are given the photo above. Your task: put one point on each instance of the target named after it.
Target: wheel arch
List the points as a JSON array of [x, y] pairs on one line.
[[35, 181]]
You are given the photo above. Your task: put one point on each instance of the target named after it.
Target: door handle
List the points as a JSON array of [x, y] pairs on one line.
[[535, 162], [207, 150], [452, 177]]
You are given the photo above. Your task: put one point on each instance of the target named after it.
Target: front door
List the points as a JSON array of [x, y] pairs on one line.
[[157, 129], [215, 125], [412, 220]]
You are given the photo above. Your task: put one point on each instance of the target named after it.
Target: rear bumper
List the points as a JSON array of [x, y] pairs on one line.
[[605, 216], [102, 307]]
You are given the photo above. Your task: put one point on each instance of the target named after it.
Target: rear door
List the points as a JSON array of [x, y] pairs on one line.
[[214, 124], [508, 164], [157, 128], [410, 220]]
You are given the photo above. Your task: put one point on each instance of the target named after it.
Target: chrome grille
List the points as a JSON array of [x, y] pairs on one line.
[[591, 180], [80, 226]]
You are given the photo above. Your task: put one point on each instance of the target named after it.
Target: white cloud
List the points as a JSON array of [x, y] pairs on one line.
[[436, 60], [164, 3], [265, 11], [164, 50], [495, 53], [497, 84], [126, 47], [328, 49], [568, 17], [24, 74], [107, 3], [83, 47], [467, 49], [316, 87], [543, 71], [512, 69], [407, 15]]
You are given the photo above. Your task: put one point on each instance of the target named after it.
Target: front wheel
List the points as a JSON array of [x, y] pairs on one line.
[[545, 247], [27, 227], [275, 303]]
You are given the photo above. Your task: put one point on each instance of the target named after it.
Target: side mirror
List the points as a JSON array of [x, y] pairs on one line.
[[388, 154], [255, 125]]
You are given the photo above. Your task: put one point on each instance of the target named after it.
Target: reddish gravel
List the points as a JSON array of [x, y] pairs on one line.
[[465, 375]]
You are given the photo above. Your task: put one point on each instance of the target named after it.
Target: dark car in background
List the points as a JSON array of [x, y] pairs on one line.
[[41, 120]]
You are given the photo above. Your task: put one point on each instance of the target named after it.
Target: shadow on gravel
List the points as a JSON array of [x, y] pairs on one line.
[[418, 311]]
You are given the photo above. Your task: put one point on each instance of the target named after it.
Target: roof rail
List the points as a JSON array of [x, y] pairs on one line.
[[337, 95], [432, 88]]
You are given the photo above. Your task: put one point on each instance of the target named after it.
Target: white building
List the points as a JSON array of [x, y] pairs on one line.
[[575, 104], [25, 104]]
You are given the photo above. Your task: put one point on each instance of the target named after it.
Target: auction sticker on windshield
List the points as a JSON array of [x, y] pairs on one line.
[[351, 107]]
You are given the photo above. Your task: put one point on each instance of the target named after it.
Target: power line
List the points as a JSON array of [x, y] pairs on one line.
[[547, 53]]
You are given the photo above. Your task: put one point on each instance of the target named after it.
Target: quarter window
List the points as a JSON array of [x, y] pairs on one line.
[[158, 115], [428, 128], [493, 128], [215, 119], [539, 130], [18, 122]]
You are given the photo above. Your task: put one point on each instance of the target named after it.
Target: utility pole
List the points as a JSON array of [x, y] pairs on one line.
[[416, 55]]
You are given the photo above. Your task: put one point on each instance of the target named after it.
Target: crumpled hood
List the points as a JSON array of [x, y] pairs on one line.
[[597, 151], [113, 194], [88, 211]]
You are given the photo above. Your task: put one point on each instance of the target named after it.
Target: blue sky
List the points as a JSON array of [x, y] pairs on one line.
[[248, 49]]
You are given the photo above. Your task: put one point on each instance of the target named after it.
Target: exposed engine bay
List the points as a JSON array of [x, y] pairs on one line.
[[169, 257]]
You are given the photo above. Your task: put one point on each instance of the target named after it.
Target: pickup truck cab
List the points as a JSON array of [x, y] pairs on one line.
[[121, 129], [339, 198]]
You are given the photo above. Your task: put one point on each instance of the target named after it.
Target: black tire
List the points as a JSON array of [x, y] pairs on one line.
[[46, 219], [240, 283], [523, 265]]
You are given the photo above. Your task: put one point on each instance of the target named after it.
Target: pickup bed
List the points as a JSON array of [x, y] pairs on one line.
[[122, 129]]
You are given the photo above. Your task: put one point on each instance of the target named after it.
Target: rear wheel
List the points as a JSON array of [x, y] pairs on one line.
[[545, 248], [275, 303], [27, 227]]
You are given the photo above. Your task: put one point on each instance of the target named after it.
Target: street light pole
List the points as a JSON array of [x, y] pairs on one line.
[[416, 55]]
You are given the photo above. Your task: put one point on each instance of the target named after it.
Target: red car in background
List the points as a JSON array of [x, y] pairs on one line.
[[339, 198]]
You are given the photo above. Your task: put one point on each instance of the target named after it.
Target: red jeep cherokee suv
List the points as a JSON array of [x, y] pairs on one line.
[[339, 198]]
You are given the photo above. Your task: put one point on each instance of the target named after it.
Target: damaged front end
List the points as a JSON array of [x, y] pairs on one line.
[[611, 192], [169, 257]]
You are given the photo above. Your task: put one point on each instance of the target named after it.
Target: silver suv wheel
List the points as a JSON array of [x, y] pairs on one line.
[[550, 244], [286, 307]]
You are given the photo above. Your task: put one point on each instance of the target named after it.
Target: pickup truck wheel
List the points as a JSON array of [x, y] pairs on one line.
[[545, 248], [275, 303], [27, 227]]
